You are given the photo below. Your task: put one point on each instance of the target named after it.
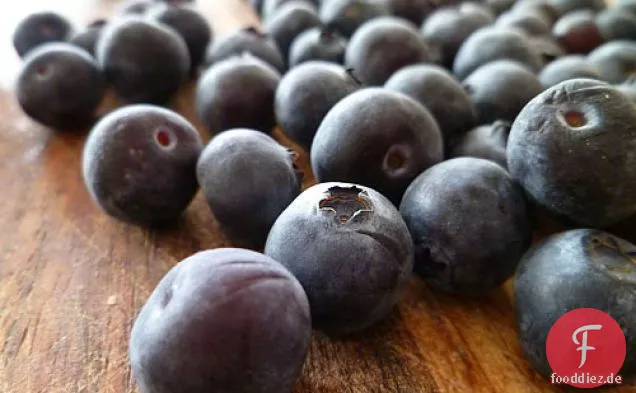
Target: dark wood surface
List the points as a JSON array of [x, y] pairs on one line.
[[73, 279]]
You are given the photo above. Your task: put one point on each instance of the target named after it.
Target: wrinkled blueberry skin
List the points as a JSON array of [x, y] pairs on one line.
[[248, 40], [382, 46], [269, 182], [469, 223], [145, 62], [87, 38], [495, 43], [581, 268], [531, 23], [565, 68], [615, 60], [500, 89], [306, 94], [221, 99], [378, 138], [317, 44], [617, 23], [40, 28], [582, 169], [346, 16], [289, 21], [487, 141], [414, 11], [565, 6], [226, 320], [133, 176], [351, 251], [439, 92], [60, 86], [577, 32]]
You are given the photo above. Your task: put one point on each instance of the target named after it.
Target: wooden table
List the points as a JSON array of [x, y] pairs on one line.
[[73, 279]]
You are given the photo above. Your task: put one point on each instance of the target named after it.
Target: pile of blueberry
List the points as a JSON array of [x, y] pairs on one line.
[[436, 130]]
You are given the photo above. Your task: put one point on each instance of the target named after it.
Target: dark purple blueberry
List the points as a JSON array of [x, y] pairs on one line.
[[190, 25], [414, 11], [40, 28], [238, 93], [531, 23], [345, 16], [88, 37], [577, 32], [617, 23], [306, 94], [440, 93], [223, 320], [565, 68], [448, 28], [548, 47], [581, 268], [615, 60], [145, 62], [135, 7], [629, 88], [269, 182], [271, 7], [565, 6], [60, 86], [318, 44], [500, 89], [382, 46], [139, 164], [378, 138], [249, 40], [350, 250], [469, 223], [542, 7], [495, 43], [571, 148], [289, 21], [487, 141]]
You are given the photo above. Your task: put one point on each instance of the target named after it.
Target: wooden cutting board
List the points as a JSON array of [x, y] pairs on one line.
[[73, 279]]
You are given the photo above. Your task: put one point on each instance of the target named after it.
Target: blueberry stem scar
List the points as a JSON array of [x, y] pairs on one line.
[[345, 202]]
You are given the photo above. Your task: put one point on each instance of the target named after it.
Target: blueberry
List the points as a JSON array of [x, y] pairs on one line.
[[500, 89], [414, 11], [486, 141], [495, 43], [134, 7], [139, 164], [145, 62], [269, 182], [40, 28], [221, 99], [306, 94], [289, 21], [448, 27], [60, 86], [318, 44], [617, 23], [190, 25], [345, 16], [581, 268], [548, 47], [382, 46], [567, 67], [378, 138], [615, 60], [250, 40], [223, 320], [88, 37], [571, 148], [565, 6], [577, 32], [626, 4], [350, 250], [271, 7], [469, 223], [531, 23], [439, 92], [542, 7], [499, 6]]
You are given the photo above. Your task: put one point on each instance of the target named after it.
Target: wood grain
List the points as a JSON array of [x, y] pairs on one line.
[[73, 279]]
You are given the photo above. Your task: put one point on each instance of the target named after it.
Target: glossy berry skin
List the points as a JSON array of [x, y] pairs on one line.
[[306, 94], [487, 141], [500, 89], [378, 138], [561, 152], [190, 25], [567, 67], [221, 99], [346, 16], [317, 44], [440, 93], [60, 86], [249, 40], [350, 250], [87, 39], [40, 28], [581, 268], [615, 60], [144, 61], [269, 182], [469, 224], [224, 320], [289, 21], [495, 43], [381, 47], [577, 32], [139, 164]]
